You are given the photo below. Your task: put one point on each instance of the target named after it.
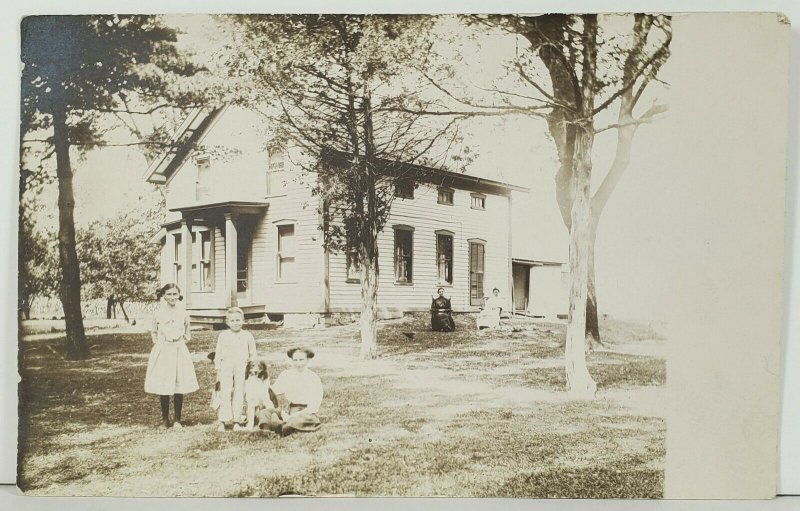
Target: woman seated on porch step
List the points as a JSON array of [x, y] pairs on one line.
[[489, 317], [302, 389]]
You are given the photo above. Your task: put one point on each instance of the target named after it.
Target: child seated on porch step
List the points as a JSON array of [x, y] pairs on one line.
[[235, 347]]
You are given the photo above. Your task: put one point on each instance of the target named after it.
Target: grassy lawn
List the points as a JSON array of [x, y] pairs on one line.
[[460, 414]]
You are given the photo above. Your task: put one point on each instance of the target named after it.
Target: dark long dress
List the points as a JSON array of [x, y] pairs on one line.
[[441, 315]]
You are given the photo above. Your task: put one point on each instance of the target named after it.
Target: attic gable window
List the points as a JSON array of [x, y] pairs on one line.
[[202, 184], [275, 168], [445, 196]]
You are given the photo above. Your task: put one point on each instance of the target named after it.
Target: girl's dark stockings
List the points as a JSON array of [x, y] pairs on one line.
[[178, 398]]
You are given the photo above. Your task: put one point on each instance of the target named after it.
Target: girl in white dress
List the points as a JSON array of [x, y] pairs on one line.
[[170, 371]]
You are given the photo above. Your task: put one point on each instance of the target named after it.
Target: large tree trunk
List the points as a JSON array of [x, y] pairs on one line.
[[593, 340], [580, 384], [562, 128], [369, 310], [111, 308], [77, 348], [369, 282]]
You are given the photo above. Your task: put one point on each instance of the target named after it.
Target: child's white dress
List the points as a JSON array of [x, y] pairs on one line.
[[170, 369]]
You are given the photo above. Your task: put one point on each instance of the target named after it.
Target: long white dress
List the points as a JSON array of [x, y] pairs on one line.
[[489, 317], [170, 369]]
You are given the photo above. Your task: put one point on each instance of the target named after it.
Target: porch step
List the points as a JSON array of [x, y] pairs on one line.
[[217, 316]]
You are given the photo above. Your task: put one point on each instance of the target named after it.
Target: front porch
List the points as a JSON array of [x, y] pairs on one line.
[[219, 259]]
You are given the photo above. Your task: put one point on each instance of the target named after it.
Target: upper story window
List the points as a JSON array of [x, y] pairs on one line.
[[404, 189], [478, 201], [203, 182], [286, 253], [275, 169], [445, 196], [404, 254]]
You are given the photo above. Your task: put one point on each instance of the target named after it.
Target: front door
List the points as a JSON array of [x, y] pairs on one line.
[[244, 258], [522, 278]]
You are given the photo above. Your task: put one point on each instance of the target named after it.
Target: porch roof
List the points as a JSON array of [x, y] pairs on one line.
[[241, 207], [532, 262]]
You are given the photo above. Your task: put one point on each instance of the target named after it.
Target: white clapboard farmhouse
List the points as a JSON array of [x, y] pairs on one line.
[[243, 228]]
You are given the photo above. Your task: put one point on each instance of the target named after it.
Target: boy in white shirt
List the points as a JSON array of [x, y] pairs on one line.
[[235, 347]]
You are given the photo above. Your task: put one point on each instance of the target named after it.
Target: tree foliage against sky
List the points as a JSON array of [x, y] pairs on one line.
[[342, 89], [117, 258], [79, 71]]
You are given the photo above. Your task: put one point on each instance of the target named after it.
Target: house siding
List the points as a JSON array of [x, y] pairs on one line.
[[294, 204], [236, 146], [426, 216]]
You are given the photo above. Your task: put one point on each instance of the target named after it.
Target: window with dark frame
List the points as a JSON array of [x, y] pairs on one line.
[[478, 201], [176, 263], [403, 255], [477, 256], [206, 260], [202, 261], [353, 266], [445, 196], [444, 257]]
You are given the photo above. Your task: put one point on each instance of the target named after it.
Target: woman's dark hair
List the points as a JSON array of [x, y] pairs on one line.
[[440, 289], [495, 289], [166, 287]]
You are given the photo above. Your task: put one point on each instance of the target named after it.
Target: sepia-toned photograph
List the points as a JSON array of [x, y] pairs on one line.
[[471, 255]]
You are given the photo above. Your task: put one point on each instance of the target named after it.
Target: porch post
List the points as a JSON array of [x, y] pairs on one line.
[[188, 248], [231, 243]]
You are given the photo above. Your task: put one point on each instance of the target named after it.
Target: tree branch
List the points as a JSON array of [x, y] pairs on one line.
[[635, 75], [645, 118]]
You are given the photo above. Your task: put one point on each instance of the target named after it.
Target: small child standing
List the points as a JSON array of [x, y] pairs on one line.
[[235, 347]]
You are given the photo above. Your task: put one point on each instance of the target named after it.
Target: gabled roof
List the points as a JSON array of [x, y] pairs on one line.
[[199, 120], [439, 177], [190, 132]]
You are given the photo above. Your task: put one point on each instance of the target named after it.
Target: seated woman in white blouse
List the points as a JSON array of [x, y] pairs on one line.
[[302, 389]]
